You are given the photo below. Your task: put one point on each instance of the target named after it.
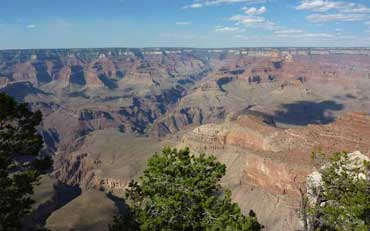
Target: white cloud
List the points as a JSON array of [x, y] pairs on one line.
[[294, 34], [254, 11], [318, 18], [252, 18], [328, 11], [319, 35], [219, 2], [238, 36], [194, 6], [320, 5], [234, 1], [361, 9], [300, 34], [306, 36], [31, 26], [177, 35], [226, 29], [288, 31], [327, 5], [183, 23], [203, 3]]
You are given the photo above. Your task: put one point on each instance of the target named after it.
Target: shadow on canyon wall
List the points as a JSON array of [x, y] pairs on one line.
[[19, 91], [119, 202], [302, 113], [62, 195]]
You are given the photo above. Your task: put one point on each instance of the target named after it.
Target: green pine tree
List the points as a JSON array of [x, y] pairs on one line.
[[342, 202], [180, 191], [18, 175]]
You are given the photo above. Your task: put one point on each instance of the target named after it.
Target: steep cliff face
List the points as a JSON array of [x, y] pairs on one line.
[[77, 169], [274, 160], [281, 154], [88, 172], [92, 79], [64, 76], [106, 160], [348, 132], [24, 72], [182, 118], [277, 177]]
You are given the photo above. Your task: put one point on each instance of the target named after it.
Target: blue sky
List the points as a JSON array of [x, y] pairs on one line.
[[183, 23]]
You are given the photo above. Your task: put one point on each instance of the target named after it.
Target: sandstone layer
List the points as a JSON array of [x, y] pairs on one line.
[[274, 161]]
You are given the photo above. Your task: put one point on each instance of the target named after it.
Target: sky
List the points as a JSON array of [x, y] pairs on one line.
[[184, 23]]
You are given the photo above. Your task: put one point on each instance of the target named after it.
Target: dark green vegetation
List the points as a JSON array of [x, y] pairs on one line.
[[20, 162], [180, 191], [342, 201]]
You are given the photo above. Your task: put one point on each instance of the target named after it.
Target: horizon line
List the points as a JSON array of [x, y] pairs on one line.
[[193, 48]]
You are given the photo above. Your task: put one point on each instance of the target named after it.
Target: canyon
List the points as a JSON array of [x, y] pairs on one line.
[[261, 111], [275, 161]]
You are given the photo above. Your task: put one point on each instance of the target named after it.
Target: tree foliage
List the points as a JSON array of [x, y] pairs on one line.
[[342, 202], [180, 191], [18, 173]]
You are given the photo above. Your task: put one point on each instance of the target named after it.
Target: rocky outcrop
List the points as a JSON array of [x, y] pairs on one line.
[[92, 79], [97, 119], [276, 177], [274, 160], [3, 81], [83, 170], [106, 160], [24, 72], [178, 120], [356, 161], [276, 149], [64, 76], [77, 169]]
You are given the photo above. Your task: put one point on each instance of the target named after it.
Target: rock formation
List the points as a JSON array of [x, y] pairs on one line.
[[274, 160]]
